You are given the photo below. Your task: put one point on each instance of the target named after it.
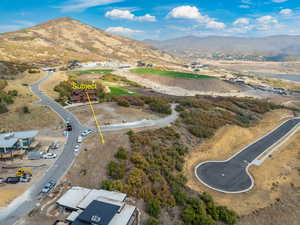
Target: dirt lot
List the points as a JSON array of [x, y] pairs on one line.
[[182, 87], [264, 67], [9, 192], [110, 113], [271, 178], [90, 166]]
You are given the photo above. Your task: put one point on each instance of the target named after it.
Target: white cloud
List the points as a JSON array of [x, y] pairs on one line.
[[185, 12], [286, 12], [279, 1], [215, 25], [122, 30], [81, 5], [267, 20], [241, 22], [146, 17], [126, 14], [119, 14], [193, 13]]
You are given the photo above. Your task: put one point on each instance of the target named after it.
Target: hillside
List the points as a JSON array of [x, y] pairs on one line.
[[273, 48], [64, 39]]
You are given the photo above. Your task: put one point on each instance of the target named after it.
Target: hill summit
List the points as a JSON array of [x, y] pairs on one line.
[[65, 39]]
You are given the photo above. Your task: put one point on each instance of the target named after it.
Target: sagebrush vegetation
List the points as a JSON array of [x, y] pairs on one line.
[[152, 168]]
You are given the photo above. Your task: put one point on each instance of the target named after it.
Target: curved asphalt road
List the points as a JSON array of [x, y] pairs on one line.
[[29, 200], [231, 176]]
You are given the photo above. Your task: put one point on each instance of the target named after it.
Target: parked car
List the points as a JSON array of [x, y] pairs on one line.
[[76, 148], [49, 156], [25, 179], [54, 145], [48, 186], [86, 132], [12, 180], [79, 139]]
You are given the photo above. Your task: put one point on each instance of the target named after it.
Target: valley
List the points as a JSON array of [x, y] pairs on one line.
[[103, 116]]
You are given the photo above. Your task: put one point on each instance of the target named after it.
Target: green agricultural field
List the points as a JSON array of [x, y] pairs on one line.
[[170, 73], [117, 91], [81, 72]]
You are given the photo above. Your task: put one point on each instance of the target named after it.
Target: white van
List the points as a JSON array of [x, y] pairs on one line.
[[79, 139]]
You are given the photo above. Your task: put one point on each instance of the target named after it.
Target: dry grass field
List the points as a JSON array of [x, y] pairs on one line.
[[270, 178], [39, 116], [48, 86]]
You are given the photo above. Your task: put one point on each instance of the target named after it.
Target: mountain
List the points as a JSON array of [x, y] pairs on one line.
[[65, 39], [273, 48]]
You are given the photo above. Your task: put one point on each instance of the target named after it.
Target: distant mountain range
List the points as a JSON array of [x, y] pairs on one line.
[[272, 48], [60, 40]]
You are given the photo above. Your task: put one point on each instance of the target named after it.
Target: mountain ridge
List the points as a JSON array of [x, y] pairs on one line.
[[63, 39], [263, 48]]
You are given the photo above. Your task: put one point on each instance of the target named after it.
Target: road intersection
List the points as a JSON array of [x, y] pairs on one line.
[[21, 206]]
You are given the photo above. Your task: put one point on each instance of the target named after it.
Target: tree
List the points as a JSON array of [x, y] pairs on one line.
[[153, 208]]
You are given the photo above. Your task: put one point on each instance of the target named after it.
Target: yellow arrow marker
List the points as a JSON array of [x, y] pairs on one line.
[[97, 123]]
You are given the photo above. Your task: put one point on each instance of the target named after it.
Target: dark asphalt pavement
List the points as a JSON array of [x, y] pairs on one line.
[[231, 175]]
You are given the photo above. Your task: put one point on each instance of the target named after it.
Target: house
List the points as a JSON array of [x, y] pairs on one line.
[[81, 96], [93, 207], [73, 64], [15, 142]]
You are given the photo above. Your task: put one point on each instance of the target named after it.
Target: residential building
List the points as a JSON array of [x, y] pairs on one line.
[[16, 142], [81, 96], [97, 207]]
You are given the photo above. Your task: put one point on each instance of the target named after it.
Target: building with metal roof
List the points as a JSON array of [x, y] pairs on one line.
[[97, 207], [15, 141]]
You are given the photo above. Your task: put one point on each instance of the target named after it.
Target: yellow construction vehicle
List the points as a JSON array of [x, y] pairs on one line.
[[24, 172]]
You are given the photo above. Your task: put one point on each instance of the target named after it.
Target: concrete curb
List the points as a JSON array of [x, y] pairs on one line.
[[276, 145]]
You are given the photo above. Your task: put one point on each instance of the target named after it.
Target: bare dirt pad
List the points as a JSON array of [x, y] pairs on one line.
[[89, 168], [110, 113], [203, 85], [48, 86], [264, 67], [275, 173]]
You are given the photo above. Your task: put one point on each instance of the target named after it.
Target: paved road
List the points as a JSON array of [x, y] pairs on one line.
[[231, 176], [29, 200]]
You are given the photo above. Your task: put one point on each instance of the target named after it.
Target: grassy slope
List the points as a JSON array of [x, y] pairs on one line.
[[82, 72], [117, 91], [170, 73]]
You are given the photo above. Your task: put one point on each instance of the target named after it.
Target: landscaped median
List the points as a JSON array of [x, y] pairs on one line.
[[170, 73]]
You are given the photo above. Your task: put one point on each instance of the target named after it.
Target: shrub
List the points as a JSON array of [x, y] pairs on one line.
[[25, 109], [136, 177], [13, 93], [3, 84], [121, 154], [152, 221], [3, 108], [153, 208], [226, 215], [116, 170]]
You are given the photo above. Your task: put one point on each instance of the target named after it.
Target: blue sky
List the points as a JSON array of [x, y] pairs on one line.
[[161, 19]]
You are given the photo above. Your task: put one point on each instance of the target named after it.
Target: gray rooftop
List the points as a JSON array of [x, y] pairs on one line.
[[9, 139]]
